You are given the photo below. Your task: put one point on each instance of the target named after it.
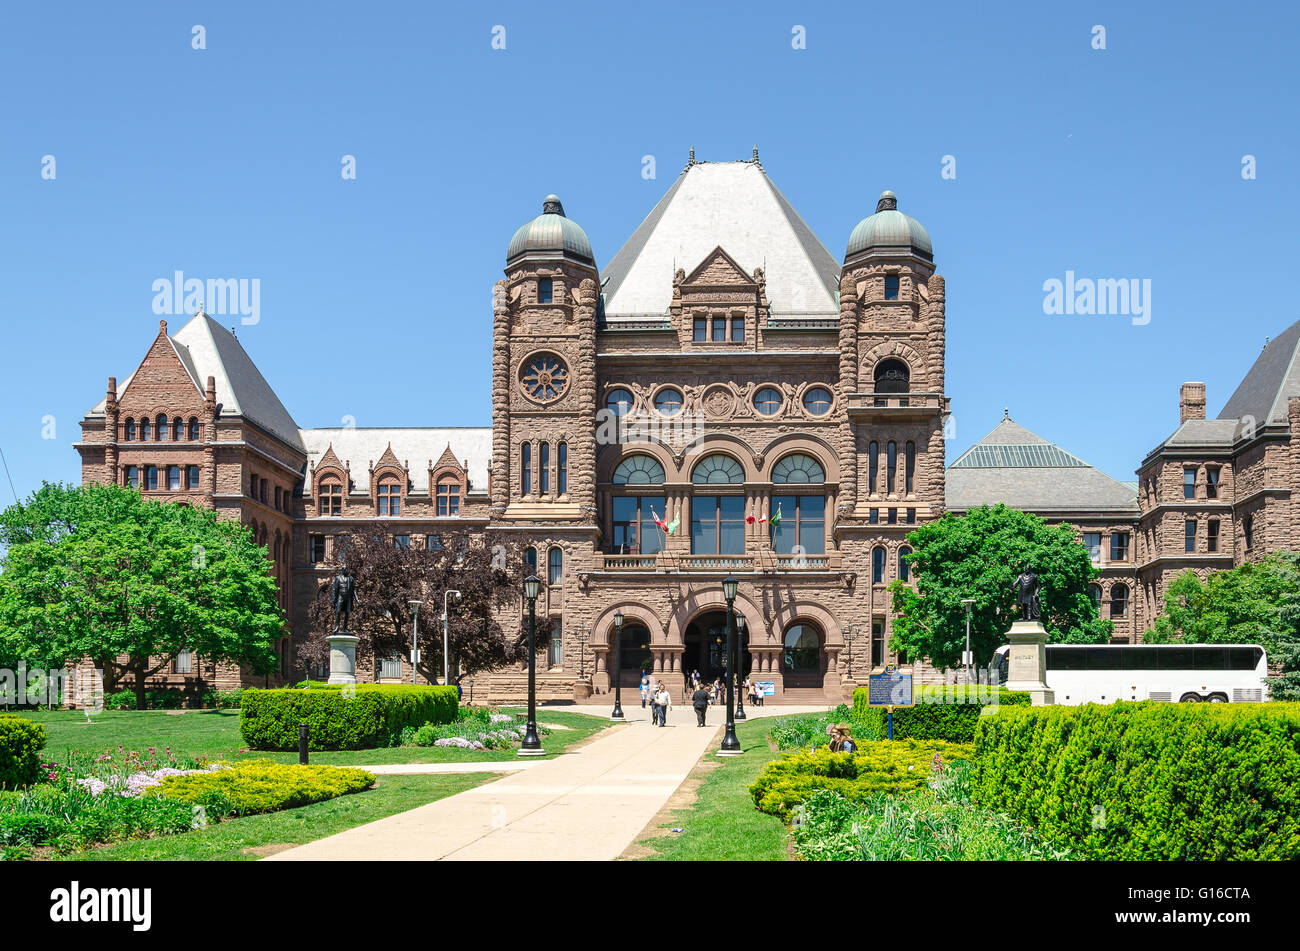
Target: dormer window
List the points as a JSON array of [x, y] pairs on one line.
[[545, 291], [390, 497], [448, 496], [891, 287], [331, 497]]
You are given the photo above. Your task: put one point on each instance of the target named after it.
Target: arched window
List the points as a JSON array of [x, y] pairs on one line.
[[668, 401], [390, 497], [802, 648], [448, 491], [639, 470], [911, 465], [1094, 592], [1119, 600], [798, 467], [562, 468], [904, 569], [530, 561], [144, 428], [526, 468], [877, 565], [178, 429], [544, 468], [160, 428], [892, 376], [331, 497], [873, 467], [817, 400], [891, 473], [554, 565], [768, 400], [619, 401], [716, 469], [128, 430], [634, 647], [194, 428]]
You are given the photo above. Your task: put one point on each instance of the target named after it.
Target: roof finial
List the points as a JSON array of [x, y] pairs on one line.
[[200, 312], [690, 159], [888, 201], [756, 155], [1006, 412], [552, 206]]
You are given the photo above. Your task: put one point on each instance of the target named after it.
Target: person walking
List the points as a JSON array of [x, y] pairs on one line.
[[665, 701], [751, 689], [700, 701], [645, 688]]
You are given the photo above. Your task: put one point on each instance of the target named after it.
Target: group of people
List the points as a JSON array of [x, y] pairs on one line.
[[701, 694], [658, 698]]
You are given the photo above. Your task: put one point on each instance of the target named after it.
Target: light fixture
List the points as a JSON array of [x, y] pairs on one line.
[[532, 587], [729, 587]]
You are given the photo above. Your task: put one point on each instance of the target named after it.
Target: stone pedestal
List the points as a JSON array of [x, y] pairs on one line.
[[581, 690], [343, 658], [1027, 662], [846, 690]]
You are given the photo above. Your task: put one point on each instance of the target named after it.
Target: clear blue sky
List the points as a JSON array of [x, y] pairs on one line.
[[375, 293]]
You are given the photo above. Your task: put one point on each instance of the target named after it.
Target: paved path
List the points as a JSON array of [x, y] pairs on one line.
[[586, 805]]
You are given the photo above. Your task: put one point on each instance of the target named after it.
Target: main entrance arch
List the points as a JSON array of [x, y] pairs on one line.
[[705, 642]]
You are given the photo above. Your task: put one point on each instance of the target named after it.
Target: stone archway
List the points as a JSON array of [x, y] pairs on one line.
[[645, 646]]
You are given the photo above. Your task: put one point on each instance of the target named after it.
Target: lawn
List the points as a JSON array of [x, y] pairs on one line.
[[215, 734], [722, 824], [233, 839]]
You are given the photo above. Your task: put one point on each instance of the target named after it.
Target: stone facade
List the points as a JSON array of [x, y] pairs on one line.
[[725, 368]]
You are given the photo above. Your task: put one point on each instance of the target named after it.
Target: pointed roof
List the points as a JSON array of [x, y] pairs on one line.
[[389, 458], [448, 459], [1025, 471], [359, 445], [330, 458], [733, 205], [206, 349], [1268, 385]]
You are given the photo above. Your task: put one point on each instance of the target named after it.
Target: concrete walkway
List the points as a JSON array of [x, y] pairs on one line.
[[588, 805]]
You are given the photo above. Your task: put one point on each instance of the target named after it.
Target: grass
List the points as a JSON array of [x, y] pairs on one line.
[[722, 824], [215, 734], [233, 839]]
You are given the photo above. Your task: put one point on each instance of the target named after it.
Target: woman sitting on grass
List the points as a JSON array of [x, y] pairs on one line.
[[841, 740]]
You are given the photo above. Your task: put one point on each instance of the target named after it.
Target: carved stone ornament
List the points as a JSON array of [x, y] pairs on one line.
[[718, 401]]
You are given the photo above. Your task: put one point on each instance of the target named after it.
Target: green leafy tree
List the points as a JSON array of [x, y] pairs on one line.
[[100, 572], [979, 555], [1254, 603]]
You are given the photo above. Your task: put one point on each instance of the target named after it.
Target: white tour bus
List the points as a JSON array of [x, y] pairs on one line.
[[1190, 673]]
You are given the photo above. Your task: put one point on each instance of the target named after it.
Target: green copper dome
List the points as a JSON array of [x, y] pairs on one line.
[[890, 228], [549, 233]]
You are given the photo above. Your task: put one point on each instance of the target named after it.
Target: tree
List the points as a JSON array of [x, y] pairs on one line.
[[978, 556], [388, 577], [100, 572], [1254, 603]]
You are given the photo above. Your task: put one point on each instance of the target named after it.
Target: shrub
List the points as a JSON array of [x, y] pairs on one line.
[[67, 815], [942, 712], [28, 829], [809, 729], [369, 716], [1148, 780], [256, 786], [228, 699], [122, 700], [21, 742], [883, 766]]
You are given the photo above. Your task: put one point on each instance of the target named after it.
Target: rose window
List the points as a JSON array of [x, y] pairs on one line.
[[544, 377]]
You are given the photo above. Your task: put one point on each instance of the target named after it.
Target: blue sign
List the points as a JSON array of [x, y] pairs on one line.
[[890, 688]]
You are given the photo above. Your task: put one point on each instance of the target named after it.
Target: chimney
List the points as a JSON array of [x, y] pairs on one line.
[[1191, 402]]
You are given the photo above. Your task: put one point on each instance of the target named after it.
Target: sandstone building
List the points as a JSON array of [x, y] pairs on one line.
[[726, 375]]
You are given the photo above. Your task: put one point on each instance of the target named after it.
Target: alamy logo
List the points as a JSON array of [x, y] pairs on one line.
[[219, 296], [73, 904], [1117, 297]]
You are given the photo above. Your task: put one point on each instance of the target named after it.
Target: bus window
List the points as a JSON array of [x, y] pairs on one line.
[[1210, 658], [1243, 658], [1176, 658], [1066, 658], [1142, 658], [1103, 658]]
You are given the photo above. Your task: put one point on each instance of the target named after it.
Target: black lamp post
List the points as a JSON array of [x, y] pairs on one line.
[[532, 745], [730, 745], [582, 638], [740, 694], [618, 667]]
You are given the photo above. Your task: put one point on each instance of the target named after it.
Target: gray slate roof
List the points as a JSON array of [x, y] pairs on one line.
[[205, 348], [415, 446], [1274, 379], [733, 205], [1023, 470]]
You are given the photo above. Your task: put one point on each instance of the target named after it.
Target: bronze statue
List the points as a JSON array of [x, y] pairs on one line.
[[1027, 595], [342, 595]]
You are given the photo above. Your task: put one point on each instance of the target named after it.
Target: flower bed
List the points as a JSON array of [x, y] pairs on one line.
[[475, 728]]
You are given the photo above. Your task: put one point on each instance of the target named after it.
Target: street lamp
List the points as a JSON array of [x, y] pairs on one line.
[[967, 658], [582, 637], [532, 745], [740, 694], [730, 745], [415, 637], [446, 679], [850, 635], [618, 663]]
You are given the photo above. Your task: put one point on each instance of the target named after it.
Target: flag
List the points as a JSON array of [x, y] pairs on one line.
[[671, 528], [749, 519], [776, 519], [658, 521], [763, 518]]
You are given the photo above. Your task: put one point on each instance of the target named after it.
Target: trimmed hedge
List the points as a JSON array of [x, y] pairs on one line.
[[879, 767], [369, 716], [942, 711], [255, 786], [21, 742], [1148, 780]]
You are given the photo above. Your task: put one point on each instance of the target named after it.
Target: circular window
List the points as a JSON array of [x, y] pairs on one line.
[[544, 377], [668, 401], [817, 400], [768, 400], [619, 401]]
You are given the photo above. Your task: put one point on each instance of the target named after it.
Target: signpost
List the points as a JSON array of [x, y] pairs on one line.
[[889, 689]]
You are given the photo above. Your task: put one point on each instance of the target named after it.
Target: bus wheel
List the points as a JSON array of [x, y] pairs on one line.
[[1218, 698], [1190, 698]]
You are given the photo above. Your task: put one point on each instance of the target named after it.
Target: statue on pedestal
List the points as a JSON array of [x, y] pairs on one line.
[[1027, 585], [343, 594]]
